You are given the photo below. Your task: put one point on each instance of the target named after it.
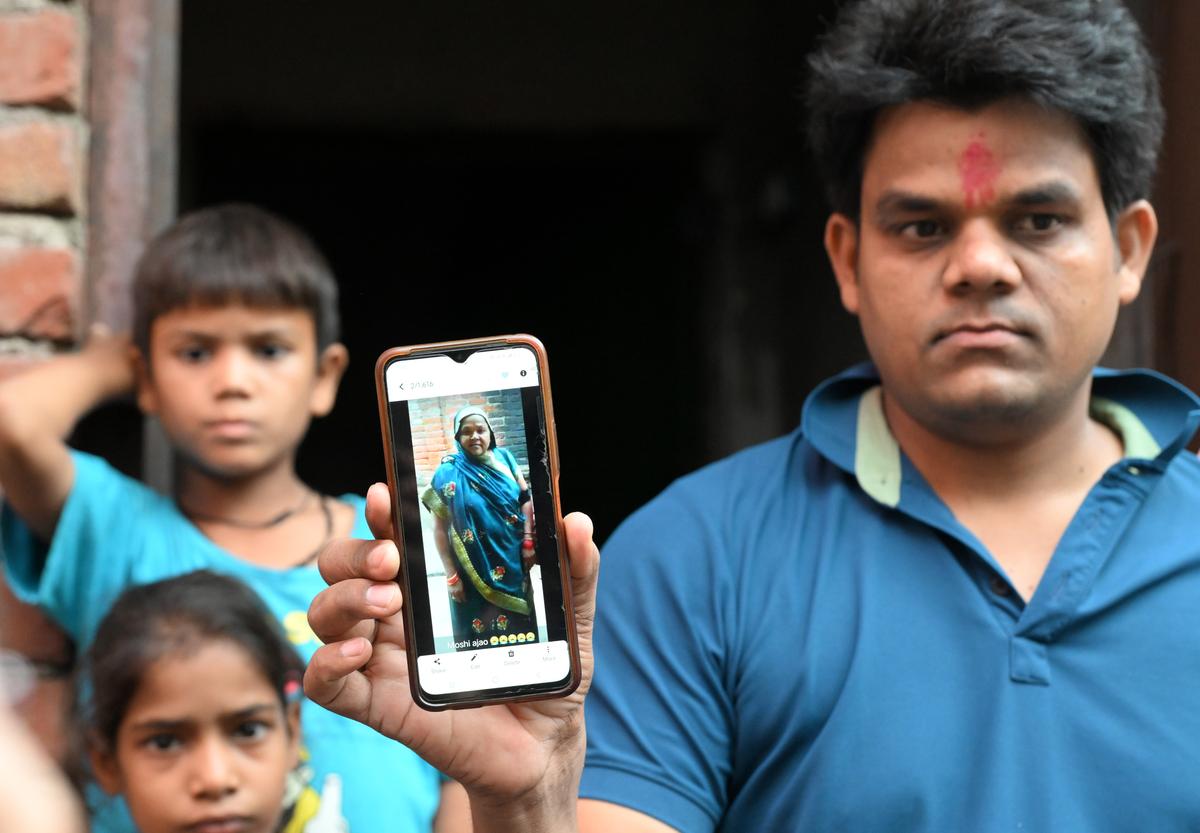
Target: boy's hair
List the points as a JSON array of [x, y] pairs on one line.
[[233, 253], [1084, 58], [174, 617]]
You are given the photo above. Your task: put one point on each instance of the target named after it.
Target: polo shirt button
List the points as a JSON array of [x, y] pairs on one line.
[[1134, 470], [999, 586]]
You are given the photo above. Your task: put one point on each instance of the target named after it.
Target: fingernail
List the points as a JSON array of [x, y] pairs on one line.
[[381, 595], [352, 648]]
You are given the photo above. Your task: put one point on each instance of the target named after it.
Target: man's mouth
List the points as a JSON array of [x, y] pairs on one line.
[[981, 335]]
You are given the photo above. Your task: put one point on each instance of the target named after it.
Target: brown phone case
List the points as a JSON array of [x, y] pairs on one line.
[[572, 681]]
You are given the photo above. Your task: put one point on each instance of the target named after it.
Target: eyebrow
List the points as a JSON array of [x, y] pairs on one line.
[[908, 202], [168, 724], [1046, 193], [905, 202]]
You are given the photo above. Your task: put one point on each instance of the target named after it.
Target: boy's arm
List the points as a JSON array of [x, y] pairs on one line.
[[39, 409]]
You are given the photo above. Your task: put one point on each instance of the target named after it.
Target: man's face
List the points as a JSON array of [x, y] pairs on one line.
[[984, 269]]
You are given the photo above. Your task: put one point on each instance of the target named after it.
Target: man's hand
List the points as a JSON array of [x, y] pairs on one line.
[[519, 763]]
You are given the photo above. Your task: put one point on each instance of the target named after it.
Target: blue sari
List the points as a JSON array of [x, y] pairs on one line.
[[480, 501]]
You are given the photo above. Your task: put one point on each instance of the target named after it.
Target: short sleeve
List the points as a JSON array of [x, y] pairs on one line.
[[90, 558], [659, 715]]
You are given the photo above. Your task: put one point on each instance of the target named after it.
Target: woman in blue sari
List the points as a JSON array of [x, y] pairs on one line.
[[482, 521]]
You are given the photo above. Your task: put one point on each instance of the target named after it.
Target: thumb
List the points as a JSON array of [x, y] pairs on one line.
[[379, 511], [585, 570]]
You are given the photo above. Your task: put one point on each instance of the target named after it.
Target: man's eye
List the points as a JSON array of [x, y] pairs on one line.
[[921, 229], [1039, 223]]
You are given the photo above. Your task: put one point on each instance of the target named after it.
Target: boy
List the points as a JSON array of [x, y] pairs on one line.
[[234, 350]]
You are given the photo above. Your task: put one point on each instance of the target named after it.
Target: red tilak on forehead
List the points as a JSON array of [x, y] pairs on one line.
[[978, 169]]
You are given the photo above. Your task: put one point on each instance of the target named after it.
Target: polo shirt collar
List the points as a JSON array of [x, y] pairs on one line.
[[1154, 415]]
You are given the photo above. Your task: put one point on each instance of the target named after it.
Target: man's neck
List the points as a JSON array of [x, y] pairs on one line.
[[1069, 451], [1016, 496]]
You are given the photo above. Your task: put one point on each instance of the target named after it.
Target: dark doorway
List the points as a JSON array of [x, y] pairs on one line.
[[584, 242], [603, 178]]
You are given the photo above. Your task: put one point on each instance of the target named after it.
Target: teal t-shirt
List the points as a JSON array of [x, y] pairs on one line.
[[115, 532]]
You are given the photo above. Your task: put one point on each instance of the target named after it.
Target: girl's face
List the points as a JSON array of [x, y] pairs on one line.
[[205, 746]]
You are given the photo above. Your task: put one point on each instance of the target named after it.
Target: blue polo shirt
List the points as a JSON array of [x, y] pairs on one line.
[[802, 637]]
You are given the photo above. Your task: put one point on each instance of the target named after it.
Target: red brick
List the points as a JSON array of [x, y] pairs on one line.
[[39, 167], [39, 291], [39, 59]]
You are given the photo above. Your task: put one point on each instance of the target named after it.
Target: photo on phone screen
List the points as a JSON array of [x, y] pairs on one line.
[[478, 521]]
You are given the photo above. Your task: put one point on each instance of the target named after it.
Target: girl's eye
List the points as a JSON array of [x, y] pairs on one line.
[[161, 742], [194, 353], [251, 729]]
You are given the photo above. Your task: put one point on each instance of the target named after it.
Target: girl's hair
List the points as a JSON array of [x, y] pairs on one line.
[[170, 618]]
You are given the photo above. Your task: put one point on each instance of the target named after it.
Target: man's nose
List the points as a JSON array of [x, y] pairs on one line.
[[981, 260], [214, 772]]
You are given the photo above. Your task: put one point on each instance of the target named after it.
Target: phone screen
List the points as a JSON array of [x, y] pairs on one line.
[[477, 516]]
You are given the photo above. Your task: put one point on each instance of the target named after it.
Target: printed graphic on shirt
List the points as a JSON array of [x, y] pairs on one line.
[[306, 810]]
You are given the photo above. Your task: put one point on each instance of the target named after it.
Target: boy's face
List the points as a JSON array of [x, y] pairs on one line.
[[984, 269], [235, 387]]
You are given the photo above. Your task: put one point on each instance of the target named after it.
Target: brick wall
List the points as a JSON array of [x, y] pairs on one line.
[[43, 142], [433, 436]]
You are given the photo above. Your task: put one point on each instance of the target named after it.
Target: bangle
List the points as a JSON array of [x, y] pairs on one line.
[[452, 580]]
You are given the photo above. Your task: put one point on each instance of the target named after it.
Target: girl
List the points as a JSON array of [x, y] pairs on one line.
[[188, 701]]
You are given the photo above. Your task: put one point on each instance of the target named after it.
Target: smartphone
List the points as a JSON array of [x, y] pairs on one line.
[[472, 462]]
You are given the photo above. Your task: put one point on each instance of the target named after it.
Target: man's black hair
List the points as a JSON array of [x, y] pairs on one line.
[[1084, 58]]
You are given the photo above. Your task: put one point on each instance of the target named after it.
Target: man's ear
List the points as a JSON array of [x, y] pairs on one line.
[[1136, 230], [330, 367], [147, 395], [841, 244], [104, 767]]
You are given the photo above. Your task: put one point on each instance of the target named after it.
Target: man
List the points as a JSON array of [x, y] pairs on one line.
[[962, 596]]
